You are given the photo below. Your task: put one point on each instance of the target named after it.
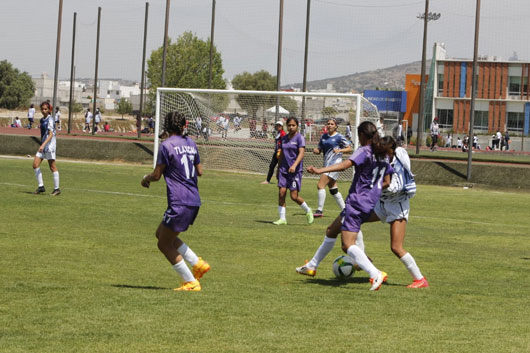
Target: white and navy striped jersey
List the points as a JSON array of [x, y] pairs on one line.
[[328, 143], [47, 127], [395, 191]]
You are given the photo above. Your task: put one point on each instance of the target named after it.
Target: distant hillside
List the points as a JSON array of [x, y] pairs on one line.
[[392, 78]]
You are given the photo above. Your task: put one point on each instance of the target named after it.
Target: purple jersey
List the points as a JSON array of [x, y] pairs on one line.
[[365, 189], [290, 153], [180, 155]]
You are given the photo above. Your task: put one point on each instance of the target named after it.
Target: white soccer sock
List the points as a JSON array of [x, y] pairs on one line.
[[322, 252], [38, 174], [281, 212], [184, 271], [360, 241], [339, 200], [56, 180], [188, 254], [362, 260], [410, 264], [305, 207], [321, 199]]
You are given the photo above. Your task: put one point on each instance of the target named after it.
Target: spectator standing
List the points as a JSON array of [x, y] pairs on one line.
[[435, 131], [97, 120], [198, 125], [348, 131], [498, 137], [448, 141], [88, 119], [57, 118], [237, 123], [380, 127], [409, 133], [458, 142], [225, 124], [278, 127], [151, 124], [507, 140], [31, 116]]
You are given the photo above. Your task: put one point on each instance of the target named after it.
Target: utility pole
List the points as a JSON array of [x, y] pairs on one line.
[[96, 74], [211, 45], [57, 52], [142, 83], [304, 82], [70, 102], [164, 51], [279, 64]]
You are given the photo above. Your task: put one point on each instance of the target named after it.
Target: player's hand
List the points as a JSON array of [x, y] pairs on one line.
[[145, 183], [41, 149], [336, 150], [316, 151], [312, 170], [292, 170]]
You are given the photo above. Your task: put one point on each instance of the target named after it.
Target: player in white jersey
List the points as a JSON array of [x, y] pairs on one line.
[[88, 119], [57, 119], [332, 145], [46, 150], [394, 207]]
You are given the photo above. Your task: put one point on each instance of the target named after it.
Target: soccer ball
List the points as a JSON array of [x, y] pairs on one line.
[[343, 266]]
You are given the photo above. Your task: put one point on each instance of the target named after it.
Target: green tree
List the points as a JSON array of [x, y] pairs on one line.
[[76, 107], [124, 107], [187, 66], [16, 88], [258, 81]]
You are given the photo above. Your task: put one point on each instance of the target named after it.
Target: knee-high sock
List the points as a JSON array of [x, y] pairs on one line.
[[305, 207], [56, 180], [321, 199], [38, 175], [360, 241], [410, 264], [281, 212], [362, 260], [339, 200], [184, 271], [322, 252], [188, 254]]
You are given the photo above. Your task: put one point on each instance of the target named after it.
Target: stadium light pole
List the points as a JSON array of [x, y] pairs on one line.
[[70, 102], [164, 51], [279, 63], [57, 52], [426, 16], [306, 50], [96, 75], [473, 92], [211, 45], [142, 82]]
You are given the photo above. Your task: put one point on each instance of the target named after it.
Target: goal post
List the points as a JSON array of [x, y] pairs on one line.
[[234, 129]]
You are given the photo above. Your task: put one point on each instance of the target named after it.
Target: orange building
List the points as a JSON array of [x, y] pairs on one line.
[[412, 86]]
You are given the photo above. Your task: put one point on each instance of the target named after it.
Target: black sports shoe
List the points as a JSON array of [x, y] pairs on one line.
[[56, 192], [317, 214], [40, 190]]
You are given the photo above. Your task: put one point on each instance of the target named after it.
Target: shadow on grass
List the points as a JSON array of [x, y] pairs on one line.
[[261, 221], [335, 282], [138, 287]]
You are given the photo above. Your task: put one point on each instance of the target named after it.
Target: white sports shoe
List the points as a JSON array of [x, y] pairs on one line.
[[378, 281]]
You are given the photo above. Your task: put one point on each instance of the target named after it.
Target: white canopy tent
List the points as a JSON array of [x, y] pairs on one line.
[[281, 110]]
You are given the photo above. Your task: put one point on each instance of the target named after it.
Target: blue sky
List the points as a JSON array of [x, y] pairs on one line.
[[346, 36]]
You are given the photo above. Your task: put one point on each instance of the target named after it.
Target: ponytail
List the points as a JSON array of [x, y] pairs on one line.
[[380, 148]]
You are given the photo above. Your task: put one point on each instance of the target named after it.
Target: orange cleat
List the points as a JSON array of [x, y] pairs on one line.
[[200, 268], [419, 283], [192, 286]]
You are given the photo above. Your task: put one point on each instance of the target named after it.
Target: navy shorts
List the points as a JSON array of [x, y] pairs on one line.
[[352, 218], [290, 181], [179, 218]]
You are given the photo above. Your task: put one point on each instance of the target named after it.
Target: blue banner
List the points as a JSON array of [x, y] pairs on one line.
[[387, 101], [463, 77]]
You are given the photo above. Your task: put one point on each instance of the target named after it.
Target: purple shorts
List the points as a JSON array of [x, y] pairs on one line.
[[179, 218], [352, 218], [290, 181]]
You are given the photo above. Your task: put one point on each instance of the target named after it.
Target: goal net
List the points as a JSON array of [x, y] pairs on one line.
[[234, 130]]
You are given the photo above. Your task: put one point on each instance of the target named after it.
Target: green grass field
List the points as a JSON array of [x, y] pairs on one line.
[[81, 272]]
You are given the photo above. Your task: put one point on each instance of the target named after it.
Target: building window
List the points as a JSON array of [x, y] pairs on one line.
[[440, 84], [108, 91], [481, 120], [445, 118], [118, 93], [514, 88], [515, 121]]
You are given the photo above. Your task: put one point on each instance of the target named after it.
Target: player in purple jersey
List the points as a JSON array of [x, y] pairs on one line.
[[372, 174], [46, 150], [178, 160], [332, 145], [290, 171]]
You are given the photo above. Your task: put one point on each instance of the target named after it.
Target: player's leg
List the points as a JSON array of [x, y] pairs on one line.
[[333, 230], [321, 190], [334, 191], [397, 238], [199, 266], [166, 239], [300, 201], [282, 192], [55, 173], [38, 173]]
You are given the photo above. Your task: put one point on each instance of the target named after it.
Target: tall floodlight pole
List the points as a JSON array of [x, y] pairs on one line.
[[70, 102], [419, 132], [142, 82], [473, 91], [211, 45], [306, 50], [57, 52], [164, 51], [96, 75], [279, 64]]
